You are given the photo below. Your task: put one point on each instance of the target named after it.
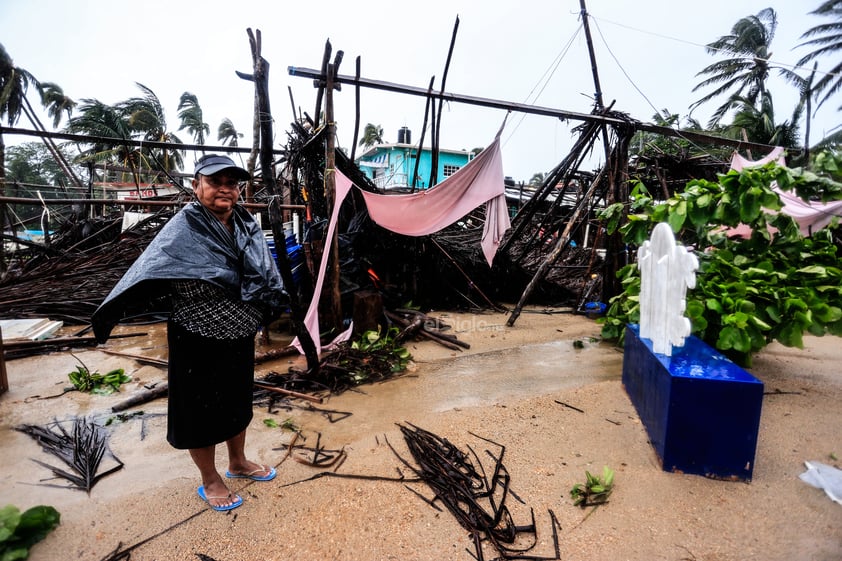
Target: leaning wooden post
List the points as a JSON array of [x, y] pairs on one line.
[[556, 252], [261, 86], [4, 380], [335, 300], [2, 209]]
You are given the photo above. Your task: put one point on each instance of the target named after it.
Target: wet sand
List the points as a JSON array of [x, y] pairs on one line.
[[510, 387]]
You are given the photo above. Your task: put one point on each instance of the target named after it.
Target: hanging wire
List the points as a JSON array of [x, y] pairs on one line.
[[707, 47], [544, 81], [634, 85]]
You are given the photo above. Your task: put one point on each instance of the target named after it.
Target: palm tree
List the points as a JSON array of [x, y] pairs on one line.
[[145, 116], [227, 133], [806, 92], [190, 114], [757, 122], [56, 103], [135, 118], [14, 81], [99, 119], [744, 74], [537, 179], [372, 134], [827, 40]]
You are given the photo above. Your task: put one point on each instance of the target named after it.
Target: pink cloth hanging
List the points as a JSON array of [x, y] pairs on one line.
[[431, 210], [419, 214]]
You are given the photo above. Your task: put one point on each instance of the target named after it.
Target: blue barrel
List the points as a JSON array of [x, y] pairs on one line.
[[295, 254]]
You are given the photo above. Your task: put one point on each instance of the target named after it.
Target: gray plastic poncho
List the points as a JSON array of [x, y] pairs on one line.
[[194, 244]]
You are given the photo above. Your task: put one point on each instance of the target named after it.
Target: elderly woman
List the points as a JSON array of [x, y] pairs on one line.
[[212, 263]]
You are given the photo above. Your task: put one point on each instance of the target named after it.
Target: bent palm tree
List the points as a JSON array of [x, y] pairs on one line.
[[14, 81], [372, 134], [190, 114], [56, 103], [228, 134], [744, 74], [145, 116], [97, 119], [806, 91], [827, 40]]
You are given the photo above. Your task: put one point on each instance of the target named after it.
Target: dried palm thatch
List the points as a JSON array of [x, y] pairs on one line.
[[71, 278], [81, 450]]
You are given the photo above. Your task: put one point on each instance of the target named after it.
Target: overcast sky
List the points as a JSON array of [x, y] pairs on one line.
[[530, 51]]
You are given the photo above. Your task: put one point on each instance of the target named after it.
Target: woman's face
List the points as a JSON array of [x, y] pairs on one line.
[[218, 193]]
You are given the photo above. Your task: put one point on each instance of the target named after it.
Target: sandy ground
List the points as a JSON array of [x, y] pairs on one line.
[[510, 387]]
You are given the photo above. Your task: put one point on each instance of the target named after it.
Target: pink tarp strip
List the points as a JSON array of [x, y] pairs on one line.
[[311, 319], [809, 216]]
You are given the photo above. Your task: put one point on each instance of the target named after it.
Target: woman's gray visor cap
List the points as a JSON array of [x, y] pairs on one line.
[[213, 163]]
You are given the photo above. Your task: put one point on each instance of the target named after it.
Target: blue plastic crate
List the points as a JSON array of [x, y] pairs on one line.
[[701, 410]]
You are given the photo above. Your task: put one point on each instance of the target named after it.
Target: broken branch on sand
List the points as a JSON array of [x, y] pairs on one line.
[[419, 325]]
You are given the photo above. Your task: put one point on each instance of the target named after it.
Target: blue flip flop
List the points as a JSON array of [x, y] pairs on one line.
[[237, 502], [251, 475]]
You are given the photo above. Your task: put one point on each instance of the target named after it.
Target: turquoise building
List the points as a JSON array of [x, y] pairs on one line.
[[391, 166]]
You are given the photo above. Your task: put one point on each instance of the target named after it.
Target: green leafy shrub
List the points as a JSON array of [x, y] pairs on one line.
[[19, 532], [776, 285]]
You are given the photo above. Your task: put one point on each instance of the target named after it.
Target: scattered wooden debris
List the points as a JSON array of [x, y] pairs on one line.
[[415, 323], [144, 396], [476, 500], [321, 457], [21, 349]]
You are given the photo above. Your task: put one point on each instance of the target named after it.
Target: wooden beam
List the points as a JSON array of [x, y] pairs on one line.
[[125, 202], [128, 141], [531, 109]]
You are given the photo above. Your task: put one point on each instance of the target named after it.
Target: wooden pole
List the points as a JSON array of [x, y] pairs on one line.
[[594, 72], [261, 85], [334, 304], [427, 109], [321, 85], [356, 114], [111, 141], [434, 172], [597, 87], [124, 202]]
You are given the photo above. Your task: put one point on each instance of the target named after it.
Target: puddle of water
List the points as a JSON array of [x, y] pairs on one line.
[[471, 381]]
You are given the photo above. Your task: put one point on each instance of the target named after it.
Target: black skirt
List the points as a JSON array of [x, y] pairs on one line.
[[210, 388]]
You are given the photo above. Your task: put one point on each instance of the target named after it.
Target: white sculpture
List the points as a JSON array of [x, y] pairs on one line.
[[667, 270]]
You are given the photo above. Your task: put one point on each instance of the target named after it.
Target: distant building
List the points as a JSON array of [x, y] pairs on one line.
[[391, 166]]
